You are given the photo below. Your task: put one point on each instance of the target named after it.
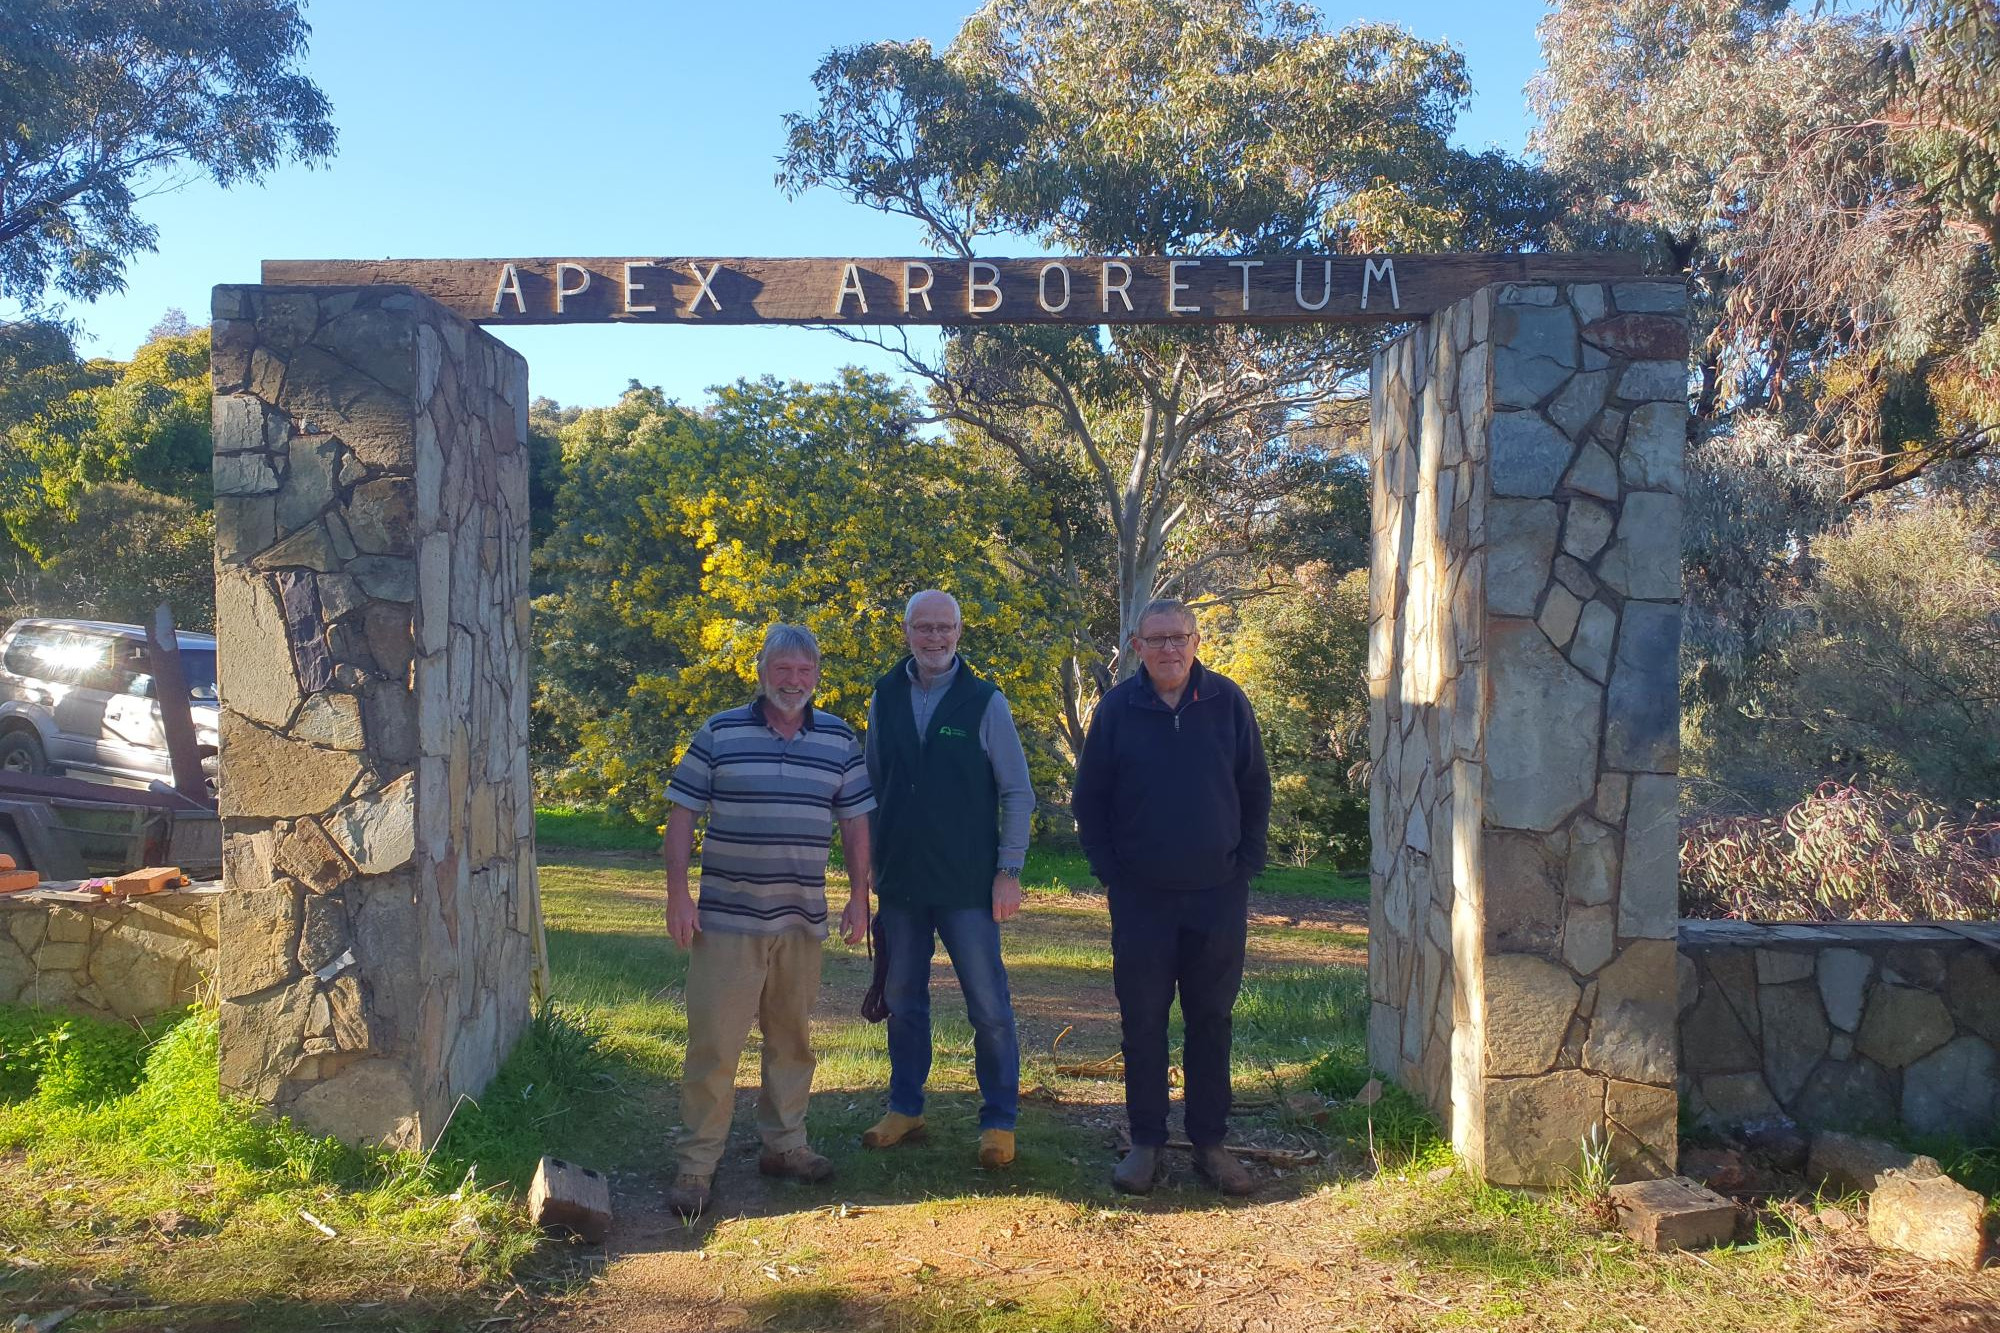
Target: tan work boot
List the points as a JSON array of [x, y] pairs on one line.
[[1215, 1165], [800, 1163], [996, 1148], [892, 1129], [689, 1195]]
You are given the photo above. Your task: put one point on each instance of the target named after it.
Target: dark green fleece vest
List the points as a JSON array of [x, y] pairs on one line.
[[937, 820]]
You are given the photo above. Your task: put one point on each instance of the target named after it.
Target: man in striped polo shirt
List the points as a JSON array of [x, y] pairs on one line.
[[772, 776]]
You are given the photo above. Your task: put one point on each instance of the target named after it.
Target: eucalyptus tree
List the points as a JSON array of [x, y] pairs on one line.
[[102, 100], [1167, 457]]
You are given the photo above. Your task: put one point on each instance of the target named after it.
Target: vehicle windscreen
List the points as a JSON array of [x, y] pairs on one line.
[[198, 665]]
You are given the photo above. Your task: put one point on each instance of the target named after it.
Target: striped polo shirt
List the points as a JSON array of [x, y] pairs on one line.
[[771, 803]]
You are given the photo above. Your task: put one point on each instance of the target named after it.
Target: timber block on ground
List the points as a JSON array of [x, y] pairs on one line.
[[575, 1197], [1673, 1213]]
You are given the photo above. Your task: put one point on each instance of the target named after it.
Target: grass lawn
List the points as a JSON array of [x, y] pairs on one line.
[[144, 1202]]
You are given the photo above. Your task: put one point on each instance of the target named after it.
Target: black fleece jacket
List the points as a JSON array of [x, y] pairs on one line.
[[1178, 798]]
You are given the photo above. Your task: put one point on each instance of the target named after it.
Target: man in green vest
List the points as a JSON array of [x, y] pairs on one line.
[[951, 830]]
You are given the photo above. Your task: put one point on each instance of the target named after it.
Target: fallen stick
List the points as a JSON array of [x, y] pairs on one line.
[[1275, 1156], [317, 1225]]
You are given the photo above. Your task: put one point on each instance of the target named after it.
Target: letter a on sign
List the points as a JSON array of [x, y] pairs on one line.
[[510, 285], [850, 285]]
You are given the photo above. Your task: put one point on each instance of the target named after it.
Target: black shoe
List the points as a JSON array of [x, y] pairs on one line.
[[1138, 1173], [1214, 1165]]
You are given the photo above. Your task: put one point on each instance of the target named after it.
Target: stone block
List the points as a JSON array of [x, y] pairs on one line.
[[1529, 455], [1795, 1036], [1642, 719], [1932, 1217], [308, 855], [274, 776], [1640, 337], [1778, 967], [262, 1035], [1645, 561], [1843, 980], [379, 831], [1560, 609], [1655, 380], [1714, 1039], [1592, 875], [1537, 331], [1644, 1122], [259, 929], [390, 578], [381, 515], [1586, 528], [314, 464], [255, 673], [1655, 453], [332, 720], [1632, 1030], [1674, 1213], [1579, 402], [1662, 296], [1542, 730], [573, 1197], [1903, 1024], [1593, 473], [370, 1102], [244, 474], [323, 932], [1524, 893], [1856, 1164], [1590, 649], [1520, 380], [1845, 1093], [1589, 937], [1972, 990], [1521, 544], [1954, 1090], [1533, 1129], [1529, 1003]]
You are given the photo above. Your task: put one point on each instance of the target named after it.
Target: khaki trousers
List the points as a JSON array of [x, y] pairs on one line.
[[731, 980]]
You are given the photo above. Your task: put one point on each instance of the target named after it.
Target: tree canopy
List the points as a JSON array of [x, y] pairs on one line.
[[1172, 460], [681, 535], [102, 99]]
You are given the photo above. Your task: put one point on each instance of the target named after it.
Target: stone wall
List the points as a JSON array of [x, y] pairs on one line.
[[381, 929], [1523, 672], [128, 959], [1854, 1025]]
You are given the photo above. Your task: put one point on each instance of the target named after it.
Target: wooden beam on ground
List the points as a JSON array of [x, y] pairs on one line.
[[1090, 290]]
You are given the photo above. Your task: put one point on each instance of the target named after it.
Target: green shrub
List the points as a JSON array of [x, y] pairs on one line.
[[1397, 1128], [66, 1059]]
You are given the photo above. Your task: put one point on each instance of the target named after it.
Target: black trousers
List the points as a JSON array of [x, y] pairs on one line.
[[1163, 941]]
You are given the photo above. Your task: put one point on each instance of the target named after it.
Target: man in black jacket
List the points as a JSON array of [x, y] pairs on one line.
[[1173, 805]]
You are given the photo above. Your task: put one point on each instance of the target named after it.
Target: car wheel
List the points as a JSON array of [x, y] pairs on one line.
[[21, 752]]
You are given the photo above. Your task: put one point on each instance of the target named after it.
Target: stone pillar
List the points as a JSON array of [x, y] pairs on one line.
[[1524, 610], [380, 929]]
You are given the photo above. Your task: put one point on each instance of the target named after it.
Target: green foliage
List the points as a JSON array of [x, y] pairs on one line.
[[100, 99], [1170, 460], [106, 490], [1865, 652], [1396, 1127], [1844, 854], [557, 1070], [66, 1060], [1301, 655], [593, 828], [680, 536]]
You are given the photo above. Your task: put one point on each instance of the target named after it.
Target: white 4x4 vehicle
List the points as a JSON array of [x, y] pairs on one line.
[[76, 696]]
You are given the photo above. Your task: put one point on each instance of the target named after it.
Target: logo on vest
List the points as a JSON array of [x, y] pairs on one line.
[[959, 732]]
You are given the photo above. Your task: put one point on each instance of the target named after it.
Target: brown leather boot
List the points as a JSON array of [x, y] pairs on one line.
[[800, 1163], [690, 1195], [1214, 1165], [1139, 1172]]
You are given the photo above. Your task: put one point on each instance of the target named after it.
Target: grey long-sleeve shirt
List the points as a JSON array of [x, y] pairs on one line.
[[1000, 742]]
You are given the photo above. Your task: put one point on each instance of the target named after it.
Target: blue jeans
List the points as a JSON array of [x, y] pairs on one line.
[[972, 937]]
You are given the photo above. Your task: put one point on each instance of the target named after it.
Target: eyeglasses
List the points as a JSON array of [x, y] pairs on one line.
[[930, 628], [1159, 641]]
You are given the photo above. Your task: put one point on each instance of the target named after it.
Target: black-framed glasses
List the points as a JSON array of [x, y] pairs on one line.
[[1159, 641]]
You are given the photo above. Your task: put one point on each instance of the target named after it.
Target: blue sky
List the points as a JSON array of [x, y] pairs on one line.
[[610, 127]]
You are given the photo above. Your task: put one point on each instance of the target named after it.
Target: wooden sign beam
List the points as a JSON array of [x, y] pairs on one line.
[[1132, 289]]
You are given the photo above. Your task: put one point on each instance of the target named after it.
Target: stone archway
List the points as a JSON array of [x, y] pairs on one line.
[[381, 929]]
